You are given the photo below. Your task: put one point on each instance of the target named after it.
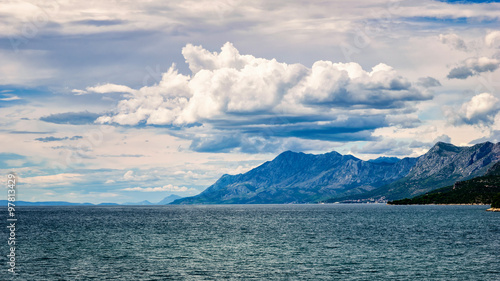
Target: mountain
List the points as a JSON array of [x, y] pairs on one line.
[[47, 203], [306, 178], [480, 190], [169, 199], [302, 178], [441, 166], [142, 203], [383, 159]]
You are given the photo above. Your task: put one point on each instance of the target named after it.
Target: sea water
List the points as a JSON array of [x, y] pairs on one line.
[[255, 242]]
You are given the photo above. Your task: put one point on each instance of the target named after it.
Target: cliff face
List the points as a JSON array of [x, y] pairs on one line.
[[305, 178]]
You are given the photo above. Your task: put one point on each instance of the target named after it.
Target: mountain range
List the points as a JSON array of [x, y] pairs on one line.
[[167, 200], [479, 190], [295, 177]]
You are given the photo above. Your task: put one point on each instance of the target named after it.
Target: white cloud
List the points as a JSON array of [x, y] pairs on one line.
[[110, 88], [492, 39], [168, 187], [9, 97], [226, 85], [481, 109], [58, 179], [129, 175]]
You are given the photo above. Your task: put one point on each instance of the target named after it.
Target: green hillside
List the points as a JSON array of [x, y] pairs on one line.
[[480, 190]]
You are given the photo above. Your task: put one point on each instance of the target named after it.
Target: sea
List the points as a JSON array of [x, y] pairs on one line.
[[254, 242]]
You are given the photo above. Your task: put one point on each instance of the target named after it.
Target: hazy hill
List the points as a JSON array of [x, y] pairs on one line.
[[46, 203], [169, 199], [142, 203]]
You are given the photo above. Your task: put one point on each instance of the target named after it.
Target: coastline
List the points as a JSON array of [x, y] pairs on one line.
[[451, 204], [493, 210]]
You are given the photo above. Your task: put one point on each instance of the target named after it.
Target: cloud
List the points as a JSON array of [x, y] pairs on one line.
[[474, 66], [9, 97], [168, 187], [480, 110], [58, 179], [107, 88], [228, 84], [494, 137], [243, 93], [131, 176], [121, 155], [386, 147], [51, 138], [428, 82], [73, 118], [12, 160], [492, 39], [100, 22], [454, 41], [394, 147]]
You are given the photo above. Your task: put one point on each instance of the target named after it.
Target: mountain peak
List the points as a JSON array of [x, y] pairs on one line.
[[445, 146], [289, 153], [385, 160]]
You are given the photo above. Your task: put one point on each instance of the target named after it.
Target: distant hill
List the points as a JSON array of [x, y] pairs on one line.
[[47, 203], [169, 199], [480, 190], [142, 203], [302, 178], [441, 166], [165, 201]]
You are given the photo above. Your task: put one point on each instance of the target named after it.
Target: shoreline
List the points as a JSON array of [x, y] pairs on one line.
[[493, 210], [451, 204]]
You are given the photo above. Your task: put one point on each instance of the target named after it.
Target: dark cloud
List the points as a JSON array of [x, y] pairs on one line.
[[493, 137], [342, 129], [428, 82], [51, 138], [460, 73], [250, 136], [100, 22], [474, 66], [29, 133], [73, 118], [215, 143]]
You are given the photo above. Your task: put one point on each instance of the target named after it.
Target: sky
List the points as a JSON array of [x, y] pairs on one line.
[[106, 101]]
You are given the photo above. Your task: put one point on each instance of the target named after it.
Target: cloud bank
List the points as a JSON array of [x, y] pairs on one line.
[[255, 96]]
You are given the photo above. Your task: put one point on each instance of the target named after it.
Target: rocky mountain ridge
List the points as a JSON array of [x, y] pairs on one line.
[[306, 178]]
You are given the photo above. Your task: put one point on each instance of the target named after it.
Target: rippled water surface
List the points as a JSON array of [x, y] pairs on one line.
[[256, 242]]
